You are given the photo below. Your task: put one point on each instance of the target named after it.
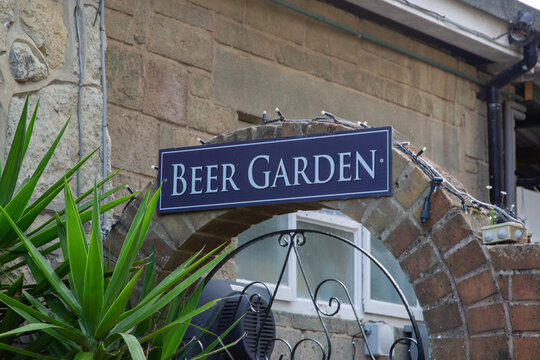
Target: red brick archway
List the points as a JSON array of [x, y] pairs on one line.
[[465, 289]]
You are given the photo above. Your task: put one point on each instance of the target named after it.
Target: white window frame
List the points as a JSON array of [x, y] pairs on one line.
[[287, 299]]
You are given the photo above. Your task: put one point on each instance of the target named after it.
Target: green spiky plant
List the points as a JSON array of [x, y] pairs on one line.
[[87, 318]]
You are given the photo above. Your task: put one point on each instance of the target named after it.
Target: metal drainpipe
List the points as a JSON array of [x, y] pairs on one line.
[[492, 95]]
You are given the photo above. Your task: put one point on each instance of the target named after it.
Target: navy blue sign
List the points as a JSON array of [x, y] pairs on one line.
[[294, 169]]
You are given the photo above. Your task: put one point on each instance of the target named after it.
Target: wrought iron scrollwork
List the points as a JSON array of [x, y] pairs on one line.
[[291, 240]]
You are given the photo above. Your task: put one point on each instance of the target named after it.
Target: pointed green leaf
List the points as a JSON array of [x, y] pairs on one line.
[[135, 348], [47, 270], [28, 328], [8, 181], [76, 240], [30, 128], [84, 356], [129, 250], [30, 354], [115, 310], [93, 282]]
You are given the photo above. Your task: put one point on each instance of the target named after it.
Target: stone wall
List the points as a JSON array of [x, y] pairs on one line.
[[181, 70], [38, 57]]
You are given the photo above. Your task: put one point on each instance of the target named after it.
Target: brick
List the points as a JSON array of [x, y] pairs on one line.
[[526, 348], [466, 259], [209, 117], [180, 42], [442, 318], [525, 317], [165, 91], [136, 145], [489, 347], [453, 231], [185, 12], [275, 19], [402, 236], [409, 187], [432, 288], [477, 287], [515, 256], [124, 72], [447, 349], [235, 35], [119, 26], [504, 284], [419, 262], [526, 287], [485, 318], [232, 8], [331, 41]]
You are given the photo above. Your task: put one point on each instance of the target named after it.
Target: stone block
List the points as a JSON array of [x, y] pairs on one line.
[[180, 42], [165, 90], [92, 47], [433, 80], [136, 141], [410, 187], [420, 101], [125, 6], [243, 38], [391, 70], [43, 21], [466, 93], [124, 73], [275, 19], [119, 26], [7, 17], [378, 220], [210, 117], [395, 92], [25, 65], [201, 85], [494, 347], [232, 8], [442, 318], [477, 287], [185, 12], [390, 36], [333, 42], [485, 318], [447, 113]]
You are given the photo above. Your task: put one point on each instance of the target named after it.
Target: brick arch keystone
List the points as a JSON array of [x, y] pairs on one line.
[[453, 277]]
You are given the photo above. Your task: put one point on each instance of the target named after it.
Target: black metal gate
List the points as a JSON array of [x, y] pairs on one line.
[[253, 303]]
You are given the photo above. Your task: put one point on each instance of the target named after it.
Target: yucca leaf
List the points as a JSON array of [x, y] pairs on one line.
[[135, 349], [84, 356], [60, 182], [30, 354], [30, 128], [62, 270], [76, 241], [175, 335], [51, 233], [113, 313], [86, 205], [93, 279], [147, 310], [47, 270], [8, 181], [126, 256], [148, 284]]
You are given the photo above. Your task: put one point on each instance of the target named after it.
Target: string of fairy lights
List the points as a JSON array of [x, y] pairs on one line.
[[436, 177]]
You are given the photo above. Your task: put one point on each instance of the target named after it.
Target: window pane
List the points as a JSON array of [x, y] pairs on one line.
[[326, 258], [381, 288], [263, 261]]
